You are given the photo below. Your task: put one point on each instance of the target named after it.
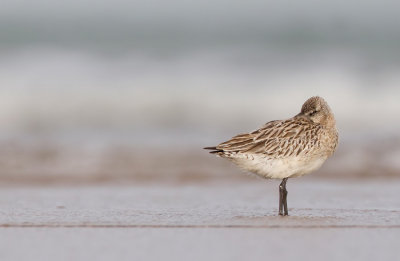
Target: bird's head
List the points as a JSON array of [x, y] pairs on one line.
[[318, 110]]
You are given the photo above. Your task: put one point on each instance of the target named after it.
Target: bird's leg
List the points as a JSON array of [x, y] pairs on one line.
[[283, 210], [285, 192], [280, 200]]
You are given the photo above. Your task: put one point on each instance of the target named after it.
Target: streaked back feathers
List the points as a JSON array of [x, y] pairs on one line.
[[305, 134]]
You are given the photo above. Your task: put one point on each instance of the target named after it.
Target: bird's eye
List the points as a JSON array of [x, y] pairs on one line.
[[313, 113]]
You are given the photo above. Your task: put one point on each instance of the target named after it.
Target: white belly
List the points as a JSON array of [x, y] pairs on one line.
[[278, 168]]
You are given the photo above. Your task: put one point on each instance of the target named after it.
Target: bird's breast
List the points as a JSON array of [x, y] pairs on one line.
[[278, 168]]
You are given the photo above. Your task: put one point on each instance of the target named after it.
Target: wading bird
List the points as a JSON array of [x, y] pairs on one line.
[[285, 149]]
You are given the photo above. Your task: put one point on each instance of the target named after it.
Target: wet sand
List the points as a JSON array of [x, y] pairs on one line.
[[52, 163], [329, 220]]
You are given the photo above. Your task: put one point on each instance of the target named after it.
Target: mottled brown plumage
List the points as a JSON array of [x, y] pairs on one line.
[[285, 148]]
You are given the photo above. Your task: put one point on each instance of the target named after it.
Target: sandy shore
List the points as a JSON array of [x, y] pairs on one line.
[[61, 164], [330, 220]]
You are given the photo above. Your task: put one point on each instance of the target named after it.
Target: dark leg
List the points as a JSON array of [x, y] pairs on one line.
[[283, 210], [280, 200]]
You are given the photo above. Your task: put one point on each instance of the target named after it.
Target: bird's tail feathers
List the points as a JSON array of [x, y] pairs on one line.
[[213, 150]]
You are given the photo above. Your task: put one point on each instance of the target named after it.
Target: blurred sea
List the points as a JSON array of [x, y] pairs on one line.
[[101, 90]]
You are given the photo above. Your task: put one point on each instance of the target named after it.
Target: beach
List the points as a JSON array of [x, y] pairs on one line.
[[210, 221], [106, 106]]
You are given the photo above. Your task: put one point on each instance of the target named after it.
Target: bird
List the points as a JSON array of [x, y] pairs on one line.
[[283, 149]]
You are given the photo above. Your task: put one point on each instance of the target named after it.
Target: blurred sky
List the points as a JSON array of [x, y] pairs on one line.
[[194, 72]]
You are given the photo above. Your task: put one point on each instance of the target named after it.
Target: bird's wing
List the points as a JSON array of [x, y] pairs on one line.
[[276, 139]]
